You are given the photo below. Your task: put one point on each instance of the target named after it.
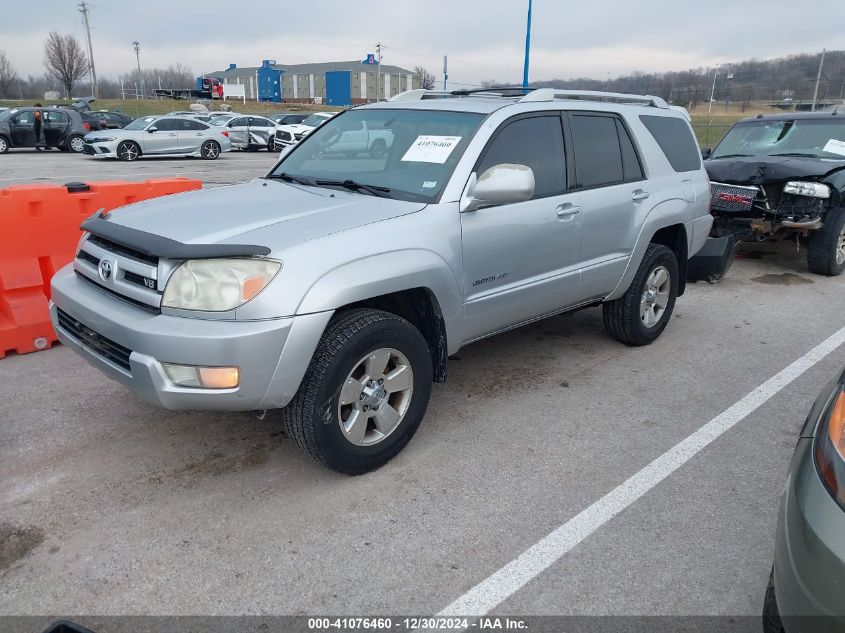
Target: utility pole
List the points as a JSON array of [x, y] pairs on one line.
[[710, 105], [818, 79], [378, 71], [445, 71], [137, 48], [527, 48], [83, 9]]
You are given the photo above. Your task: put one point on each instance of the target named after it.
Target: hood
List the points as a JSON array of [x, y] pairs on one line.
[[296, 128], [116, 133], [264, 212], [761, 170]]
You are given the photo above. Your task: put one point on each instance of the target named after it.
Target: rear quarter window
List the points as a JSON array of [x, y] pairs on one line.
[[674, 137]]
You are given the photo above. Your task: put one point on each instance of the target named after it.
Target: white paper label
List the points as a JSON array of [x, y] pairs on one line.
[[429, 184], [835, 147], [431, 149]]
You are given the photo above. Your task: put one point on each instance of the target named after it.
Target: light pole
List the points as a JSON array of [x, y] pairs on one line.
[[710, 106], [137, 48], [527, 48]]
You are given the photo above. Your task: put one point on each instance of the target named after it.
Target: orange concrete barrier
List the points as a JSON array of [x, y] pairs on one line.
[[39, 231]]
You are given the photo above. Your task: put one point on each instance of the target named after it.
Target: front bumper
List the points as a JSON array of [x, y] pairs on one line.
[[272, 355], [810, 551], [100, 150]]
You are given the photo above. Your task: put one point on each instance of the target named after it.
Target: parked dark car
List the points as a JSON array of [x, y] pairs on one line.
[[780, 176], [63, 128], [288, 118], [806, 590], [101, 120]]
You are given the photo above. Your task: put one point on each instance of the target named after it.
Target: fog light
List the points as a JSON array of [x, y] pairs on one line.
[[203, 377]]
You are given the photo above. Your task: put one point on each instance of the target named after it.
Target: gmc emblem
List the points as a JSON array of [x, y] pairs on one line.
[[735, 198]]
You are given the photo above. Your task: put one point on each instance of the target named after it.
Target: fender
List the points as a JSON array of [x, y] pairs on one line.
[[365, 278], [666, 213]]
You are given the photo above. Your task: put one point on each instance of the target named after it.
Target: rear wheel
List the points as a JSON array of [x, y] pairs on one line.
[[4, 145], [210, 150], [826, 249], [128, 150], [364, 394], [640, 315], [76, 144], [378, 148]]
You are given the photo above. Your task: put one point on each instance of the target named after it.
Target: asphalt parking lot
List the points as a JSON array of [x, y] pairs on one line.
[[24, 166], [110, 506]]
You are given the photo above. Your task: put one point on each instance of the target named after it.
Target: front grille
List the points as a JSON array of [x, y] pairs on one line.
[[134, 302], [103, 346], [726, 197], [284, 136], [799, 206], [140, 280], [120, 249], [88, 257], [88, 149]]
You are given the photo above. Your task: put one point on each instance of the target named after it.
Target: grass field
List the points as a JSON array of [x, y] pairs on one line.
[[720, 118]]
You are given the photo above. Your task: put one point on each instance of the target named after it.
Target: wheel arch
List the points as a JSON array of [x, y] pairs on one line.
[[674, 237]]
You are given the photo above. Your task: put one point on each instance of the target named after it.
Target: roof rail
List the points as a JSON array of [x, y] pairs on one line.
[[519, 94], [551, 94]]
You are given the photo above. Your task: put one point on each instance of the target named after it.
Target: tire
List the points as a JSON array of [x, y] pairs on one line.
[[623, 317], [772, 622], [210, 150], [75, 144], [128, 151], [378, 148], [271, 144], [318, 421], [4, 144], [826, 248]]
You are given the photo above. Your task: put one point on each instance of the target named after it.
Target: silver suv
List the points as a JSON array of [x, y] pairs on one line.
[[336, 287]]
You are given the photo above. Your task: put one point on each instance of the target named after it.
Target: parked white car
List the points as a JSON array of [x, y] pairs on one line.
[[289, 135]]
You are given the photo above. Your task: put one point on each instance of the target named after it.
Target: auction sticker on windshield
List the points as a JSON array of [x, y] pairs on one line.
[[431, 149], [835, 147]]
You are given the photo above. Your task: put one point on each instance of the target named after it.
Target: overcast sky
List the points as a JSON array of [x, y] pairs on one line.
[[484, 38]]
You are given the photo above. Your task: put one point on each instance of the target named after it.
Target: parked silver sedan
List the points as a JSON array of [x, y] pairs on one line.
[[158, 135]]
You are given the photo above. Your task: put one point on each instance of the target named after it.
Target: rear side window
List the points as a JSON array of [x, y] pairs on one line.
[[536, 142], [631, 168], [598, 156], [674, 137]]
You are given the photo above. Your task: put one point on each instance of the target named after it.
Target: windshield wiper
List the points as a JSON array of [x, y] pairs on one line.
[[729, 156], [288, 178], [798, 154], [374, 190]]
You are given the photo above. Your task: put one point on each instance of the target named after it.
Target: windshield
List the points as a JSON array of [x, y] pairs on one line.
[[140, 124], [822, 138], [314, 120], [412, 153]]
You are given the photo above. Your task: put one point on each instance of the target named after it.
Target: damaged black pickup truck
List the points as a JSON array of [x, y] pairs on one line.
[[776, 177]]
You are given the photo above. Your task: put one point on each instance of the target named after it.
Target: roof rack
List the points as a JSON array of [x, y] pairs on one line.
[[523, 95]]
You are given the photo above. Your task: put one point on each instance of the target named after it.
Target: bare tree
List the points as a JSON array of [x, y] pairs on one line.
[[489, 83], [426, 78], [8, 75], [65, 60]]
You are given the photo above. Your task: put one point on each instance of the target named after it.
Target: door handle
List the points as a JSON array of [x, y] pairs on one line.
[[639, 194], [567, 210]]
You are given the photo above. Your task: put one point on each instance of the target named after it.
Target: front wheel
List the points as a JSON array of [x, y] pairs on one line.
[[364, 393], [826, 249], [76, 144], [128, 150], [210, 150], [4, 145], [640, 315]]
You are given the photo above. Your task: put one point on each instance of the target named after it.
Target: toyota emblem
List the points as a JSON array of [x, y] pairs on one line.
[[105, 269]]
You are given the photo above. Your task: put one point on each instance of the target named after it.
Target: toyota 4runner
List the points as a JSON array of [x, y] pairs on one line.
[[336, 287]]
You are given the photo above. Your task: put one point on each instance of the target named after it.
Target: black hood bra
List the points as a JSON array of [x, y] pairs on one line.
[[762, 170]]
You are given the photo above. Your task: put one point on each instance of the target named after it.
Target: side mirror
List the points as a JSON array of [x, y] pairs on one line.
[[152, 129], [506, 183], [705, 152]]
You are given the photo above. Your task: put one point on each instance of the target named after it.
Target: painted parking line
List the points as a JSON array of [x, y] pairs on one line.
[[502, 584]]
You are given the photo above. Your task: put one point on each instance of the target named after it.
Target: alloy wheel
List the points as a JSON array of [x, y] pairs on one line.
[[375, 397], [655, 296], [210, 150], [840, 248]]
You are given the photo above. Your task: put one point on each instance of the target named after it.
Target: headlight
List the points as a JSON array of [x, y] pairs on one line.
[[81, 240], [830, 449], [217, 285], [811, 189]]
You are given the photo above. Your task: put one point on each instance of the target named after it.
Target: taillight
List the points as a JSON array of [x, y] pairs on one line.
[[86, 126], [830, 449], [225, 133]]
